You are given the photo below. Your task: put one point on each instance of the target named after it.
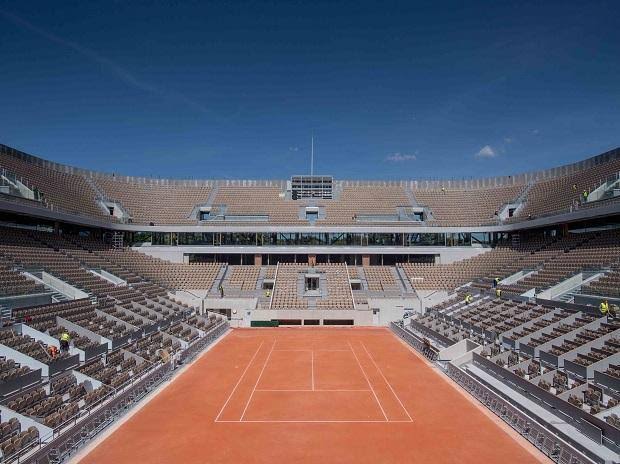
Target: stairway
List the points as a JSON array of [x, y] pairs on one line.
[[261, 277], [5, 313], [404, 280], [212, 195], [58, 297], [411, 197], [569, 297], [91, 182], [606, 190], [219, 279], [362, 276], [522, 198]]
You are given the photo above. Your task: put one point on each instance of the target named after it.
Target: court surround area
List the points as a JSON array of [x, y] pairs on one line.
[[311, 395]]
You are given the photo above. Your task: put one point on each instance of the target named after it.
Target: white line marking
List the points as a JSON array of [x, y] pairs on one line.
[[239, 381], [386, 381], [316, 421], [312, 355], [283, 349], [366, 377], [258, 380], [315, 390], [309, 350]]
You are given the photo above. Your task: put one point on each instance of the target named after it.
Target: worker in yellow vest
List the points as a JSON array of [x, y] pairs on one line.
[[498, 292], [604, 308], [468, 298], [64, 342]]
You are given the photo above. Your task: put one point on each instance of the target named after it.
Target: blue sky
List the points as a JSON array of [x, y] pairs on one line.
[[234, 89]]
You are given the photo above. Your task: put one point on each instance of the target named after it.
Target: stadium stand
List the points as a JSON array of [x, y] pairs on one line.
[[156, 203], [244, 278], [531, 341], [129, 320], [61, 190], [286, 288], [167, 202], [13, 283], [14, 440], [565, 192], [28, 346], [450, 276], [379, 278], [467, 207], [574, 254], [9, 369], [608, 285], [289, 289], [236, 203], [373, 201], [171, 275]]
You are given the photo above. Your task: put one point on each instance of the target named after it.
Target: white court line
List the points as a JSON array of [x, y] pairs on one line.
[[283, 349], [258, 380], [300, 350], [312, 355], [239, 381], [386, 381], [316, 421], [315, 390], [366, 377]]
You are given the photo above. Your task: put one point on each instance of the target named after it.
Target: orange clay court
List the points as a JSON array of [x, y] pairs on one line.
[[321, 395]]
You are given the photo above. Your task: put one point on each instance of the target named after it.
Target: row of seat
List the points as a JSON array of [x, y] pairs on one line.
[[161, 202]]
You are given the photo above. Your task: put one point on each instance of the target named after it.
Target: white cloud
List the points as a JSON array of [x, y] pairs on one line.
[[486, 152], [508, 140], [400, 157], [293, 148], [536, 132]]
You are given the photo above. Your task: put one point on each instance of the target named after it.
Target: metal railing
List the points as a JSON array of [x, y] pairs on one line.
[[427, 350], [537, 434], [79, 429]]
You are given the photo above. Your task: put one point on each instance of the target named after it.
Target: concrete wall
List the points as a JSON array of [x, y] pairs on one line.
[[562, 287], [63, 287], [168, 253], [25, 301], [239, 309], [391, 309], [359, 317], [449, 255], [432, 297], [461, 352]]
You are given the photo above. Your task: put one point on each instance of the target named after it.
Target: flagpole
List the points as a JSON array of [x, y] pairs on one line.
[[312, 156]]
